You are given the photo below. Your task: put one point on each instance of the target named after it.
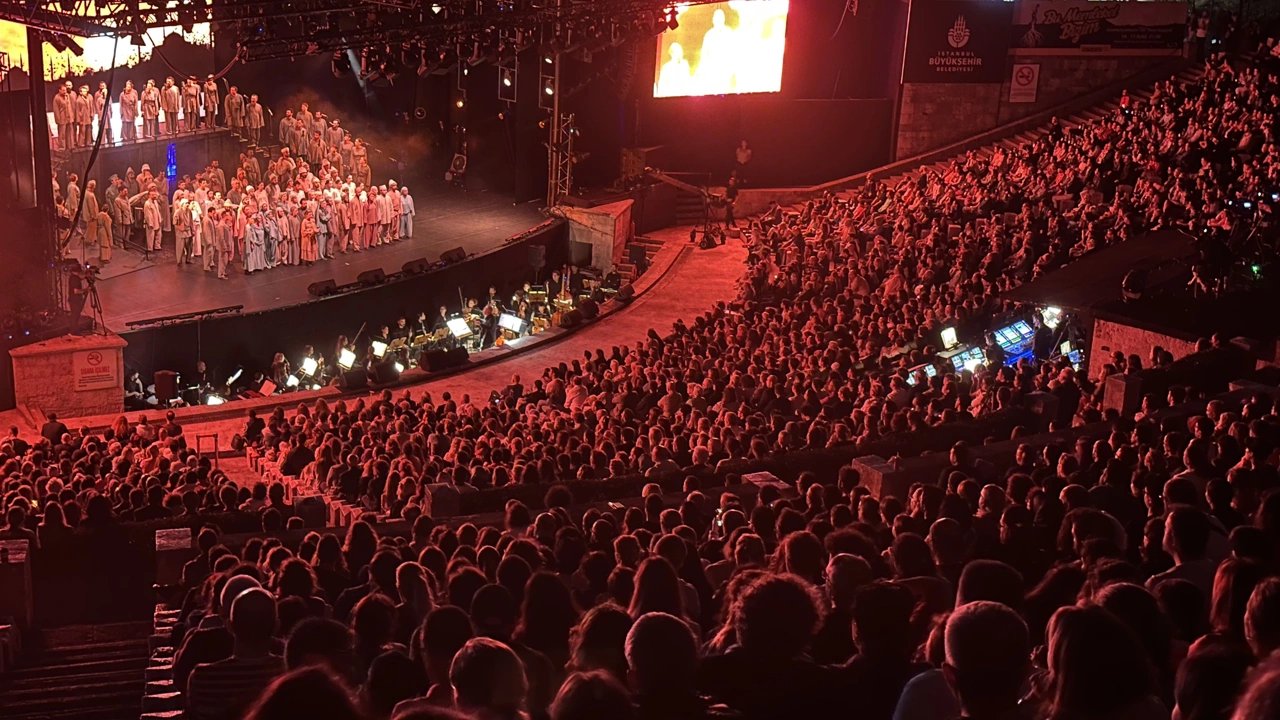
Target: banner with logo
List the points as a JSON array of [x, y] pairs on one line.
[[956, 41], [1066, 27], [1024, 84]]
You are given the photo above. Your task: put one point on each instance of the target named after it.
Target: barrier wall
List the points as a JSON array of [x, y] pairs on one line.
[[250, 340]]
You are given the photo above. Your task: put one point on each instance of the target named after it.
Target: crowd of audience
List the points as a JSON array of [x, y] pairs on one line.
[[1130, 575]]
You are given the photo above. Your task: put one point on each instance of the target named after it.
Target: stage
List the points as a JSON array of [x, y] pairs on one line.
[[134, 289]]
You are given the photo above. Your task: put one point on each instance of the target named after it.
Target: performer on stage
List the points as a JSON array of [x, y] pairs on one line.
[[64, 114], [233, 106], [102, 113], [170, 103], [150, 110], [190, 104], [407, 213], [210, 103], [83, 117], [253, 119], [129, 112]]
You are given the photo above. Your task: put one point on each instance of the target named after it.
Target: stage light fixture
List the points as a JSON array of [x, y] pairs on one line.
[[672, 21], [548, 86], [460, 103], [436, 8], [506, 80], [379, 348], [548, 58], [346, 358]]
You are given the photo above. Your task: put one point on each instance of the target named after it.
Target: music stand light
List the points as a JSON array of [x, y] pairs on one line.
[[309, 366], [379, 348], [346, 359]]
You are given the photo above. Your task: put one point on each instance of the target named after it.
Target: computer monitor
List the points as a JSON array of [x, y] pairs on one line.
[[949, 338]]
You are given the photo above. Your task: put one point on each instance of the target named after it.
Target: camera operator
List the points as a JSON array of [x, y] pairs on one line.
[[77, 292]]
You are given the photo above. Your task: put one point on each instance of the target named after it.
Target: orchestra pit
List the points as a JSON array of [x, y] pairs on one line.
[[639, 360]]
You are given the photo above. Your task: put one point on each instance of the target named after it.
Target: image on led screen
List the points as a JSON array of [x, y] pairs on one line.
[[722, 49]]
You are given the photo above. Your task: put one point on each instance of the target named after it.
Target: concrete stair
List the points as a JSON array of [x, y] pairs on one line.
[[651, 247], [91, 679]]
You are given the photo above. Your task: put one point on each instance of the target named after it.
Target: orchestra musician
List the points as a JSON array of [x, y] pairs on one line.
[[280, 371]]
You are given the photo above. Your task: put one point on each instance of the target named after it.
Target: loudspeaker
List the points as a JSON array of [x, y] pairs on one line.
[[416, 267], [372, 277], [571, 319], [322, 288], [455, 255], [166, 385], [589, 308], [354, 379], [437, 360], [537, 256], [434, 360], [385, 372], [627, 293]]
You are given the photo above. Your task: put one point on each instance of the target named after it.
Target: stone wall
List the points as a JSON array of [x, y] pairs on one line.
[[932, 115], [44, 375], [1110, 336], [1065, 77]]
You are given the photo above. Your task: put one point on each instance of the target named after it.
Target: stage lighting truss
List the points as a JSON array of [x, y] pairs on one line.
[[264, 29]]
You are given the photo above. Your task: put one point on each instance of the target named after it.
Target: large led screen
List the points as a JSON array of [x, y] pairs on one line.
[[98, 53], [723, 48]]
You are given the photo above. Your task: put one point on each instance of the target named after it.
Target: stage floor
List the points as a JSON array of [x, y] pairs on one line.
[[134, 289]]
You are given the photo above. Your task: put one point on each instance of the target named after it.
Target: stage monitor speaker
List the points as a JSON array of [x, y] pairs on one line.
[[354, 379], [438, 360], [372, 277], [571, 319], [636, 254], [385, 372], [421, 266], [455, 255], [627, 293], [537, 256], [323, 288], [166, 385], [589, 308]]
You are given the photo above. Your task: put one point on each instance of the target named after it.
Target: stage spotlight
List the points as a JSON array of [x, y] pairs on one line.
[[672, 21], [506, 80], [548, 58], [460, 103], [379, 348], [548, 86], [436, 8], [214, 400], [346, 359], [340, 65]]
